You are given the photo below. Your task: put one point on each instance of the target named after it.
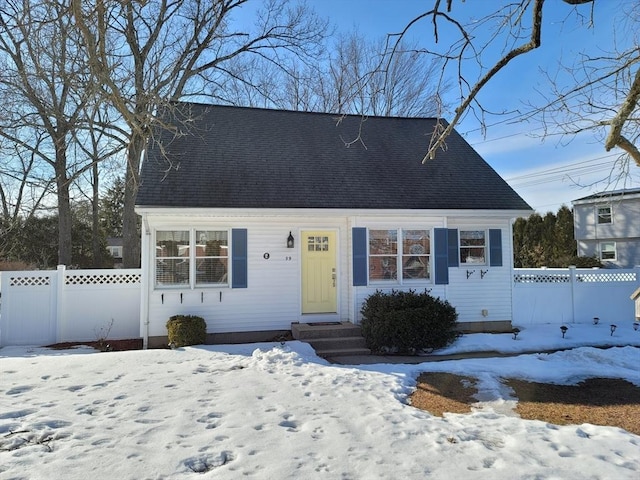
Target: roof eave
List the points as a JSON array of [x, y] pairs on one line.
[[306, 212]]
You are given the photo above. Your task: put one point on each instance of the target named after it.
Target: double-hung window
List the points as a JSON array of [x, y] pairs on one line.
[[212, 257], [192, 258], [607, 250], [416, 247], [399, 255], [604, 214], [473, 247]]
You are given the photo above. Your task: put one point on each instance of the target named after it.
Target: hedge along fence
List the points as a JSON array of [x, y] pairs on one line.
[[407, 322]]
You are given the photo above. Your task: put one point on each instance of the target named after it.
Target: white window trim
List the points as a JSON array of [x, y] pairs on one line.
[[399, 280], [486, 246], [192, 285]]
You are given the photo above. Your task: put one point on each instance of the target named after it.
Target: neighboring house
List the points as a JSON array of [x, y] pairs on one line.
[[114, 247], [607, 225], [255, 219]]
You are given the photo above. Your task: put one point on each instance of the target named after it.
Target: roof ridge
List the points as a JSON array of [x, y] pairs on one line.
[[302, 112]]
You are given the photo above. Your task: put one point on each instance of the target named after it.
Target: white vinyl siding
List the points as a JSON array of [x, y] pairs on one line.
[[472, 288], [272, 298]]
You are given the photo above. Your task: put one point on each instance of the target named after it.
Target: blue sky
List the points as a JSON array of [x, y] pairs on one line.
[[545, 172]]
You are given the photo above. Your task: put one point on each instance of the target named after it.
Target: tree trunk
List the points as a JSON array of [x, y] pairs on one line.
[[96, 247], [130, 233], [64, 212]]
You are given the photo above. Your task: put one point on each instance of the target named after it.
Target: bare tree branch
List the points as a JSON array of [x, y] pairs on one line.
[[615, 137], [438, 139]]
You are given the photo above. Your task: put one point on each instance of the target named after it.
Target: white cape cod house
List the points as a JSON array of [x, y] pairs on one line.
[[256, 219]]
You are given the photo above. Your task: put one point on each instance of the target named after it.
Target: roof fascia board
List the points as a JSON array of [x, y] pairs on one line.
[[310, 212], [607, 199]]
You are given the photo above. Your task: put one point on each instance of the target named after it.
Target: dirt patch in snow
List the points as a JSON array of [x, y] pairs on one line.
[[598, 401], [106, 346]]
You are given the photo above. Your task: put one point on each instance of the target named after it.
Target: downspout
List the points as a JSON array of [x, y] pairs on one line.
[[145, 281], [351, 294], [512, 272]]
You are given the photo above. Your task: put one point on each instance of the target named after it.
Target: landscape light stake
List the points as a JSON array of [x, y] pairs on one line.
[[596, 320], [564, 330], [613, 329], [515, 332]]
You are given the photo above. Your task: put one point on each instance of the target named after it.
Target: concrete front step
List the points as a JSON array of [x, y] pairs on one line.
[[332, 339], [308, 331]]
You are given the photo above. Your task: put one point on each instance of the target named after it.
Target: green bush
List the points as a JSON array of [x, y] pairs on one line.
[[186, 330], [407, 322]]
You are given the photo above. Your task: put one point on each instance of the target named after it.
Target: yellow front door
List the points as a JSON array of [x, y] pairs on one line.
[[319, 276]]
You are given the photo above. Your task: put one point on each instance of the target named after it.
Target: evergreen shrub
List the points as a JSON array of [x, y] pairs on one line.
[[186, 330], [407, 322]]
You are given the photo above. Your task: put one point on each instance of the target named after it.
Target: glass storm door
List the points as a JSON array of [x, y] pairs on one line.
[[319, 278]]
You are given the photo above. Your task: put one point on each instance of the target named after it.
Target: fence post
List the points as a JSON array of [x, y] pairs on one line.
[[572, 274], [636, 310], [59, 315]]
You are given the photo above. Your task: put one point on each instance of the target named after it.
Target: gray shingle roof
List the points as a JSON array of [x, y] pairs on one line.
[[247, 158]]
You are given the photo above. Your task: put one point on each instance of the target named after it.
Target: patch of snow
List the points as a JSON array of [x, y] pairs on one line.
[[272, 411]]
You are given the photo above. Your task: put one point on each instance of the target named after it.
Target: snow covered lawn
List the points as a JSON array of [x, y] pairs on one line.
[[271, 411]]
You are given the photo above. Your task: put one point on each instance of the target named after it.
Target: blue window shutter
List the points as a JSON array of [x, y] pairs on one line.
[[239, 258], [441, 256], [359, 240], [495, 247], [452, 245]]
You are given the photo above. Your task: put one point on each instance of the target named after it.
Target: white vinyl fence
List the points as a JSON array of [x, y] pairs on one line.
[[573, 295], [45, 307]]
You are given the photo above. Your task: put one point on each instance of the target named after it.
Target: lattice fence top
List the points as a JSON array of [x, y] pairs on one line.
[[542, 278], [28, 281], [584, 277], [601, 277], [103, 279]]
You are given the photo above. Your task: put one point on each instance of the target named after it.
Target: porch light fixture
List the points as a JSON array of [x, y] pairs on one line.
[[290, 241], [613, 329], [636, 325], [564, 330], [596, 320]]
